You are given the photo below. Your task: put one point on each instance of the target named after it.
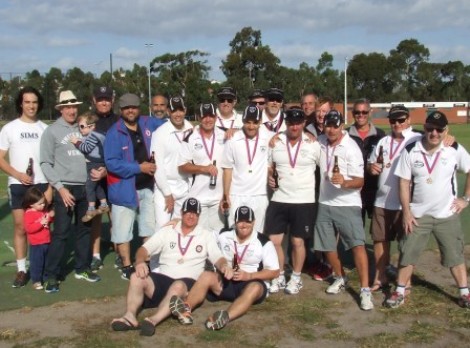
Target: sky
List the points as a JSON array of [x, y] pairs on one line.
[[83, 33]]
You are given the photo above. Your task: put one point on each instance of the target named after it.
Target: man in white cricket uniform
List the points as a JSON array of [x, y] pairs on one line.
[[227, 116], [273, 116]]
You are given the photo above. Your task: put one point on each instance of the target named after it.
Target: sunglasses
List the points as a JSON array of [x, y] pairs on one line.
[[225, 100], [259, 103], [68, 101], [83, 126], [360, 112], [277, 100], [398, 121], [430, 129]]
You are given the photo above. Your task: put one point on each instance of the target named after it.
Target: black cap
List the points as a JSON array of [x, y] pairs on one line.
[[398, 111], [294, 116], [274, 93], [207, 109], [191, 205], [103, 92], [227, 92], [437, 119], [176, 103], [244, 213], [257, 93], [251, 113], [334, 118]]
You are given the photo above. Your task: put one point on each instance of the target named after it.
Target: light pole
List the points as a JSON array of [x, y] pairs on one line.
[[149, 45], [346, 60]]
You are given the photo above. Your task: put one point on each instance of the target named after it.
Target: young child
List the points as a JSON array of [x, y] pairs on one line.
[[37, 222], [91, 145]]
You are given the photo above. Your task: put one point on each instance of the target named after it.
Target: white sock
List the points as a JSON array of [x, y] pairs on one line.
[[97, 256], [365, 289], [296, 275], [401, 289], [21, 264], [463, 291]]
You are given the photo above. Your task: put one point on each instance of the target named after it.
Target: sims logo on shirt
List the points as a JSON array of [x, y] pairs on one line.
[[26, 135]]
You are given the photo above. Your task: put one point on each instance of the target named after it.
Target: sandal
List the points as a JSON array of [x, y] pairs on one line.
[[379, 286], [123, 324], [147, 328]]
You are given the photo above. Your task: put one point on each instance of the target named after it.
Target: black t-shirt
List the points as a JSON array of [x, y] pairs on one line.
[[105, 122], [142, 180]]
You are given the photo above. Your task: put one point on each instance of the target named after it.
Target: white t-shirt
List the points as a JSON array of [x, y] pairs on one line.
[[432, 194], [196, 151], [388, 196], [171, 244], [22, 141], [351, 164], [248, 179], [296, 185], [278, 124], [234, 121], [167, 142]]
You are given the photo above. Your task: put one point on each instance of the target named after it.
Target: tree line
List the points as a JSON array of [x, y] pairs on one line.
[[405, 74]]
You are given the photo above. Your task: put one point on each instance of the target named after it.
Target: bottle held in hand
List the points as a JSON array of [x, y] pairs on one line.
[[275, 176], [30, 169], [213, 179]]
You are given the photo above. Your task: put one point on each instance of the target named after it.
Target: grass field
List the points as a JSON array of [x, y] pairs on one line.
[[73, 289]]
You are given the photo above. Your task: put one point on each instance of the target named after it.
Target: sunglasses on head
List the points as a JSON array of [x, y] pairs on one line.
[[360, 112], [225, 100], [430, 129], [397, 120]]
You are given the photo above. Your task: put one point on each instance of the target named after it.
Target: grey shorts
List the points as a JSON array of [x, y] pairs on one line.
[[449, 237], [386, 225], [343, 221]]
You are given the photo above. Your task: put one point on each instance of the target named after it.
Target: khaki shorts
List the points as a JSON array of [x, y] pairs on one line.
[[386, 225], [449, 236]]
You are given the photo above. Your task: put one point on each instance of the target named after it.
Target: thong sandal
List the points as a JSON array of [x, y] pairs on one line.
[[123, 324], [147, 328], [379, 286]]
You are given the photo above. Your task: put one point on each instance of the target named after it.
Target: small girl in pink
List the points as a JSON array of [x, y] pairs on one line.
[[37, 222]]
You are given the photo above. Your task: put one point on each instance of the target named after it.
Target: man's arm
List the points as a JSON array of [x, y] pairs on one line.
[[408, 219], [140, 265], [9, 170], [227, 183]]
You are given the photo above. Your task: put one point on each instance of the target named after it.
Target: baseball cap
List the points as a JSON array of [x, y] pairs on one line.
[[274, 93], [227, 92], [437, 118], [244, 213], [207, 109], [191, 205], [129, 99], [294, 116], [251, 113], [176, 103], [333, 118], [398, 111], [257, 93], [103, 92]]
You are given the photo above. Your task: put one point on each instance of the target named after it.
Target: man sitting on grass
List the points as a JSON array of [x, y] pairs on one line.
[[255, 264], [183, 251]]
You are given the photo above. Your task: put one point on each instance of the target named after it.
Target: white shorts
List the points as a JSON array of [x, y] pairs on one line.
[[161, 215]]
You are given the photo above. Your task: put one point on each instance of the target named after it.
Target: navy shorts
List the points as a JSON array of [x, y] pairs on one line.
[[232, 290], [162, 283], [299, 217], [16, 193]]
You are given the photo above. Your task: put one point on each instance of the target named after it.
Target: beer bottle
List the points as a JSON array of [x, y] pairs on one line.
[[235, 265], [275, 176], [213, 179], [152, 157], [380, 157], [30, 170], [336, 166]]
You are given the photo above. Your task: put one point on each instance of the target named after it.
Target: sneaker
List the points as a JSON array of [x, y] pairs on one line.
[[181, 310], [38, 286], [96, 264], [127, 272], [118, 262], [103, 209], [217, 321], [395, 300], [464, 301], [366, 301], [293, 286], [88, 275], [277, 284], [338, 285], [52, 286], [21, 279], [322, 272], [90, 214]]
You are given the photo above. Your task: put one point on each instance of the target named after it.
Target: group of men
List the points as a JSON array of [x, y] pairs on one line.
[[266, 172]]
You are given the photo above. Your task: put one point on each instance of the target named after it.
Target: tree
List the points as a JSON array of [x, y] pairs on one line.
[[50, 92]]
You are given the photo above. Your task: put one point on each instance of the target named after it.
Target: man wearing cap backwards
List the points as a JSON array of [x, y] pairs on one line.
[[171, 187], [340, 205], [183, 251], [201, 156], [256, 264], [20, 139], [130, 176], [227, 117], [273, 116], [245, 167], [366, 135], [257, 98], [159, 106], [386, 225], [295, 157], [65, 168], [432, 207]]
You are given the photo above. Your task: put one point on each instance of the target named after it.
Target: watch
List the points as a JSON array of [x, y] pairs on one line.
[[466, 199]]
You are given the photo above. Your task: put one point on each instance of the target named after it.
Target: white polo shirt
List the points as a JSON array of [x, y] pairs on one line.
[[21, 140], [351, 164], [234, 121], [278, 124], [432, 193], [166, 143], [296, 184], [196, 150], [388, 196], [197, 246]]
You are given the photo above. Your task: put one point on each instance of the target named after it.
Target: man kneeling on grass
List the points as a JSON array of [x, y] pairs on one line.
[[255, 264], [183, 251]]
